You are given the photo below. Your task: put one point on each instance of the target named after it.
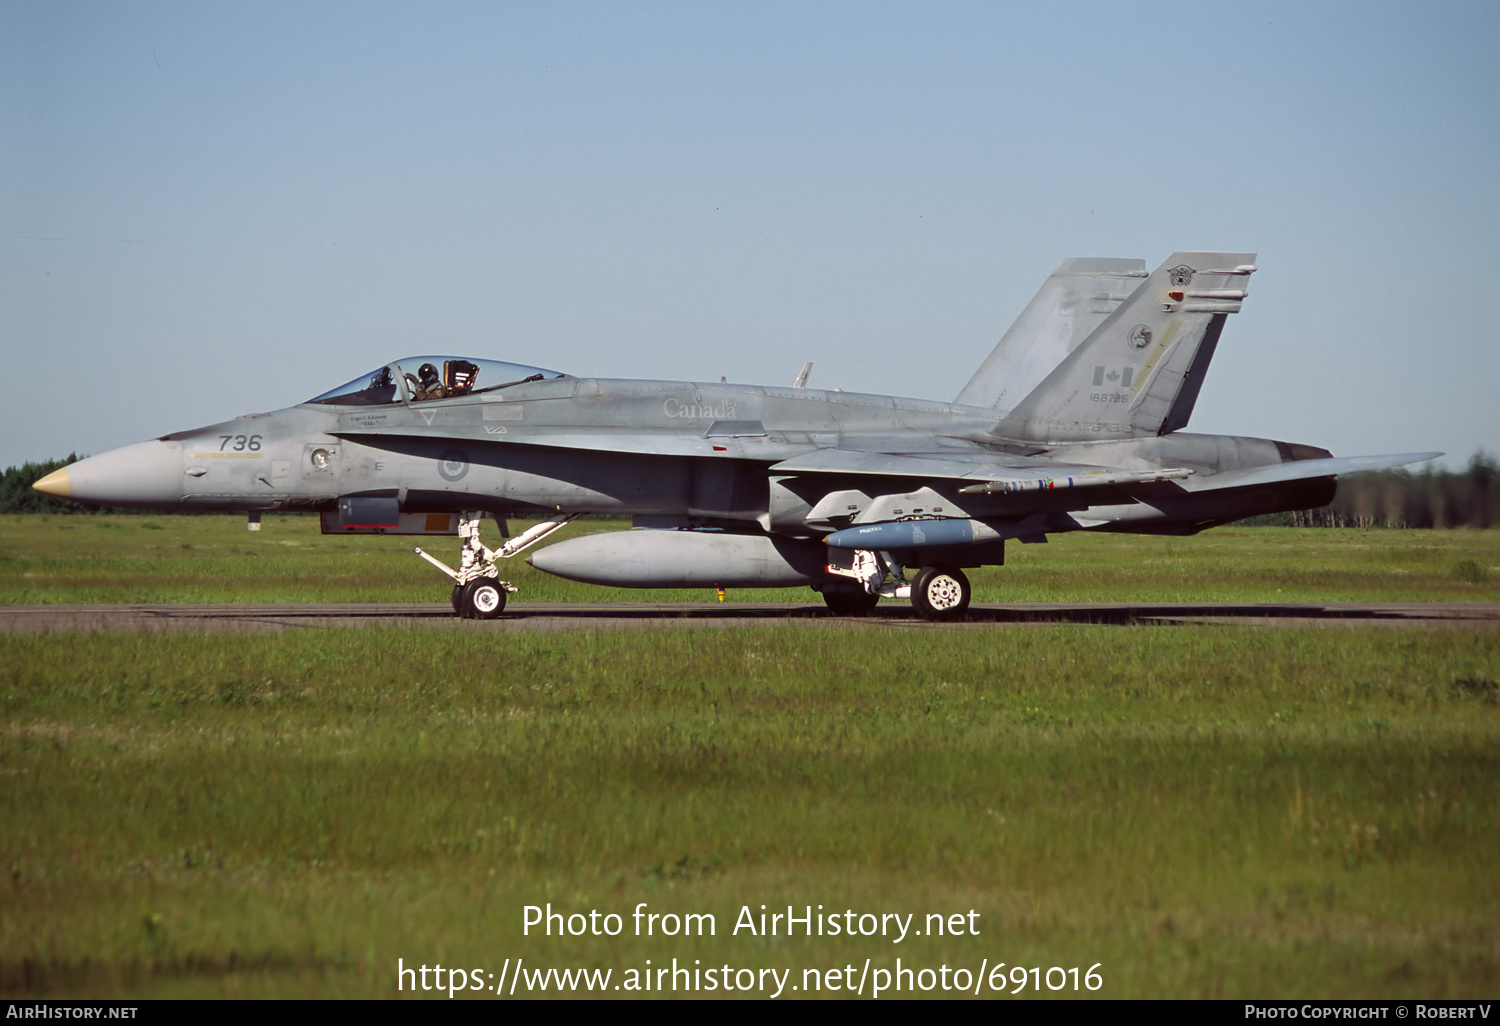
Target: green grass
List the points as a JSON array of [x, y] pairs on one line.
[[66, 559], [1206, 811]]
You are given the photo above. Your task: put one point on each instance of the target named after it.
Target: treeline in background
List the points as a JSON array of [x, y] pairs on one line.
[[17, 495], [1387, 498], [1403, 498]]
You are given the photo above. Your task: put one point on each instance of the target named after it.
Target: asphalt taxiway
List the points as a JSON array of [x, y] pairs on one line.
[[529, 616]]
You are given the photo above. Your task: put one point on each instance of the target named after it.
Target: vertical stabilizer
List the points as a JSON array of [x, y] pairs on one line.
[[1139, 372], [1071, 303]]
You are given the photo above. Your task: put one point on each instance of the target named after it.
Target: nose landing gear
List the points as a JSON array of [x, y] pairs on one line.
[[478, 592]]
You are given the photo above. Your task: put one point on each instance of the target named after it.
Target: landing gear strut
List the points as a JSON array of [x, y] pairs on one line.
[[478, 592]]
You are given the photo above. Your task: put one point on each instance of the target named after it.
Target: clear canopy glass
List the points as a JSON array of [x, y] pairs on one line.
[[425, 378]]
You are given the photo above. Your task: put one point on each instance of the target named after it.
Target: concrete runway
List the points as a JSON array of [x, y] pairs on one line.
[[527, 616]]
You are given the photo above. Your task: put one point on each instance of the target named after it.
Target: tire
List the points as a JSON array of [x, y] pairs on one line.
[[940, 593], [458, 599], [483, 599], [849, 600]]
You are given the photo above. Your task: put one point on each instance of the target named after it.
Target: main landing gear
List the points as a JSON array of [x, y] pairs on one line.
[[940, 592], [936, 593], [478, 592]]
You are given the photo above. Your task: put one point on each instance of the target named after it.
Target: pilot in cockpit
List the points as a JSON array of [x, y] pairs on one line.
[[457, 378], [427, 384]]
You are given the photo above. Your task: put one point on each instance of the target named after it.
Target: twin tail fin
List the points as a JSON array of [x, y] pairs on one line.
[[1139, 372], [1073, 301]]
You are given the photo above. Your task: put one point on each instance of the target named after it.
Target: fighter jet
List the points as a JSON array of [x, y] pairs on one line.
[[1074, 423]]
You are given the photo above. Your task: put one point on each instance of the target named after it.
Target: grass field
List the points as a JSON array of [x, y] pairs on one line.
[[53, 559], [1202, 811]]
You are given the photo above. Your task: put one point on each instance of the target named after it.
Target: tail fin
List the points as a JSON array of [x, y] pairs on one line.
[[1071, 303], [1139, 372]]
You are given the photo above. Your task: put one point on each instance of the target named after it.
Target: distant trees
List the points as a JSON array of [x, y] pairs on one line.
[[1401, 498], [17, 496], [1398, 498]]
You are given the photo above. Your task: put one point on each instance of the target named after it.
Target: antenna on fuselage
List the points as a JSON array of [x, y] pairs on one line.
[[801, 381]]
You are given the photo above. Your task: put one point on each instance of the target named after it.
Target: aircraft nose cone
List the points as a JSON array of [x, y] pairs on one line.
[[55, 483], [146, 474]]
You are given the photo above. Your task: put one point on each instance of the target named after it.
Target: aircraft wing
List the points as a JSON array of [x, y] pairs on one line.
[[934, 458], [984, 470], [987, 472], [990, 473], [1302, 470]]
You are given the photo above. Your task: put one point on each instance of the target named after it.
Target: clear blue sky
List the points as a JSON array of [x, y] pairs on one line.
[[209, 209]]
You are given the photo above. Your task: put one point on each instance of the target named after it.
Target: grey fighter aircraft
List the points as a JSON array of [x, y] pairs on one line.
[[1073, 423]]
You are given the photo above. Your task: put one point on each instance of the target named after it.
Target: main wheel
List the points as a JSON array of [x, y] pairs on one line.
[[458, 599], [940, 593], [482, 600], [849, 599]]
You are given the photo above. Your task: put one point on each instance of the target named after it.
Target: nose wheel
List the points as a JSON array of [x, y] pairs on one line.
[[483, 599]]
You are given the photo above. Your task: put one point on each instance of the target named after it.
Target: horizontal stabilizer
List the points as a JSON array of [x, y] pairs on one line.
[[1302, 470]]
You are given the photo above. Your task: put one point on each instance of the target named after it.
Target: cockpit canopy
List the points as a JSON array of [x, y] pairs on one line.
[[424, 378]]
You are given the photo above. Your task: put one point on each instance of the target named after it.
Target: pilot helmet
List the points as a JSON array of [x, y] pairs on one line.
[[427, 373]]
